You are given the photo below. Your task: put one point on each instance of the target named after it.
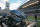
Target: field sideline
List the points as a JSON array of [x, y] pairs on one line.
[[33, 18]]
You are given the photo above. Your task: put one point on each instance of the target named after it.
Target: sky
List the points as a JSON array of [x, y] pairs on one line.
[[14, 4]]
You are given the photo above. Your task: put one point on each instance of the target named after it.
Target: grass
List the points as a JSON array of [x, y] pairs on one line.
[[32, 17], [38, 24], [38, 18]]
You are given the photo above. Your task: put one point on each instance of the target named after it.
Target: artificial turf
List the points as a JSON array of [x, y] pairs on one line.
[[32, 17], [38, 18]]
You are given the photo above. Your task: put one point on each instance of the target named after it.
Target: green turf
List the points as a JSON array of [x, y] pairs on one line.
[[38, 18], [32, 17], [38, 24]]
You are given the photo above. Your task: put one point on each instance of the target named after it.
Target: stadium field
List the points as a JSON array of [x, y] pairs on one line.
[[33, 18]]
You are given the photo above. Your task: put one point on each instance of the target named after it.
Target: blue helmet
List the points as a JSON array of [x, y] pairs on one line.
[[19, 13], [16, 12]]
